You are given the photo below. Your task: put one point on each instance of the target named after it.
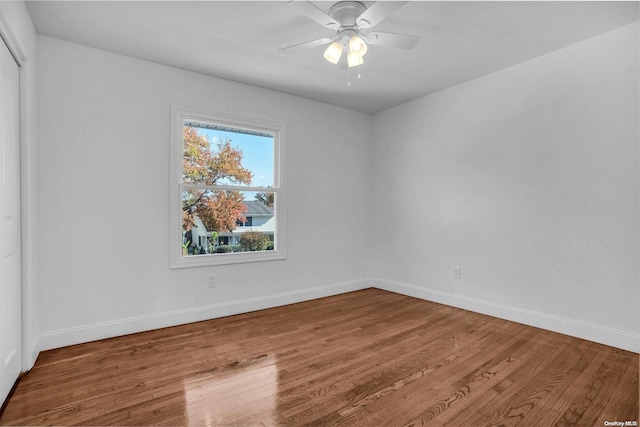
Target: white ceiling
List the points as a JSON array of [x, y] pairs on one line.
[[239, 40]]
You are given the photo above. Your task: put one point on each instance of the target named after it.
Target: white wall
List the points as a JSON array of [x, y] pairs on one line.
[[103, 174], [16, 28], [527, 178]]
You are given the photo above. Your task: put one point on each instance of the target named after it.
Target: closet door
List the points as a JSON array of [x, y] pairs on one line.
[[10, 280]]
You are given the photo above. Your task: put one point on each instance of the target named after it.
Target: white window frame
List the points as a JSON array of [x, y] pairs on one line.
[[180, 114]]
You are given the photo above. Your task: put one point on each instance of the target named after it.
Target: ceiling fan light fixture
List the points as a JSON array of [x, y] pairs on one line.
[[333, 52], [354, 60], [357, 45]]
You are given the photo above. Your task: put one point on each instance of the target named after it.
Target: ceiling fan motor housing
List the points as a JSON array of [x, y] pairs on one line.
[[346, 12]]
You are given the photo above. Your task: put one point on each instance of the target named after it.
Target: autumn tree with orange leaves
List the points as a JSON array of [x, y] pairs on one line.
[[217, 209]]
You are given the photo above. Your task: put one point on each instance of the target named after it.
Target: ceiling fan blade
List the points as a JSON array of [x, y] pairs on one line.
[[305, 45], [377, 12], [315, 13], [400, 41]]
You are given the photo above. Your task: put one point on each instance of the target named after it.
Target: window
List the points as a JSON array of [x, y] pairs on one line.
[[227, 199], [248, 222]]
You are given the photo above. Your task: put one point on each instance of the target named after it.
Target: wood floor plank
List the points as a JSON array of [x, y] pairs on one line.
[[586, 397], [379, 374], [450, 385], [365, 358], [520, 405], [493, 382], [473, 413]]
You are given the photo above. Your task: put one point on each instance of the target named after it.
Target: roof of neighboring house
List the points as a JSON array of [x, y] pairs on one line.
[[255, 207]]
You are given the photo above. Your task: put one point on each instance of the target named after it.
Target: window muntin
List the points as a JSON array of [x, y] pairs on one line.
[[227, 176]]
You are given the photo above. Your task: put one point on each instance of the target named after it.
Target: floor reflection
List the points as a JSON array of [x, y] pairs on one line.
[[243, 393]]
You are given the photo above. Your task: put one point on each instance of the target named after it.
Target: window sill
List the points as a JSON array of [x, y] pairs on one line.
[[224, 259]]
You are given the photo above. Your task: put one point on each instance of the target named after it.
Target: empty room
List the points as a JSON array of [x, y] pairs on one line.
[[262, 213]]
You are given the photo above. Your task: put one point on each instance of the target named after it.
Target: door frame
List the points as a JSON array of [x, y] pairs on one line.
[[29, 334]]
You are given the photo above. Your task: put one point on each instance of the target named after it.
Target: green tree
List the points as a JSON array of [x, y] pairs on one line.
[[202, 164]]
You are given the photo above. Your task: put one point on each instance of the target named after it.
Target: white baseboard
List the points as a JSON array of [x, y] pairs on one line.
[[97, 331], [588, 331], [64, 337]]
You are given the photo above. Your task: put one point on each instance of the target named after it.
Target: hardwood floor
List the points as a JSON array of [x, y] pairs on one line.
[[366, 358]]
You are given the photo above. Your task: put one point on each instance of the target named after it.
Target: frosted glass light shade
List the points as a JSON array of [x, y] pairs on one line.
[[357, 46], [354, 60], [333, 52]]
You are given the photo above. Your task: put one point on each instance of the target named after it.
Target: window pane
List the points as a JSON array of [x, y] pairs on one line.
[[222, 221], [216, 155]]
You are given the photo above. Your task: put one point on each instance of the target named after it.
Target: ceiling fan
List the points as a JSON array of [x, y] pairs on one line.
[[349, 19]]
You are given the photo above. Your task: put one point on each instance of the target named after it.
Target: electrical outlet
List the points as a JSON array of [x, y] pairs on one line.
[[456, 272], [212, 281]]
